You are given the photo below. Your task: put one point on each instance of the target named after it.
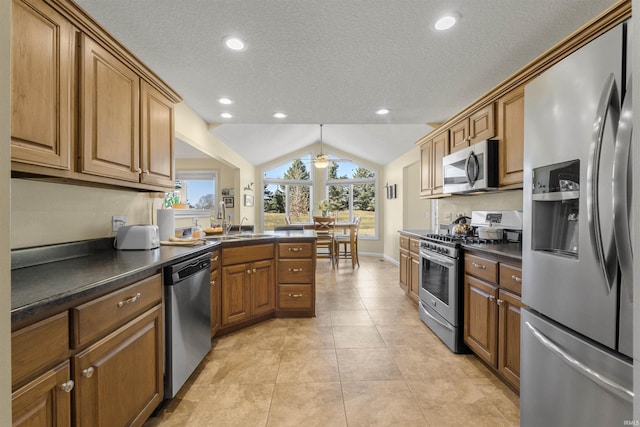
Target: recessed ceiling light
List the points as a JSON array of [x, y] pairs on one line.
[[234, 43], [226, 115], [446, 22], [279, 115], [225, 101], [382, 111]]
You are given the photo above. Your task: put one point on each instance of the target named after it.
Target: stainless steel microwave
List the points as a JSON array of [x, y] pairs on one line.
[[471, 169]]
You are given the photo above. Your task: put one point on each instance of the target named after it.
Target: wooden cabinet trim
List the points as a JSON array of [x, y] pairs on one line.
[[243, 254], [295, 297], [480, 318], [295, 250], [295, 271], [511, 137], [509, 337], [482, 268]]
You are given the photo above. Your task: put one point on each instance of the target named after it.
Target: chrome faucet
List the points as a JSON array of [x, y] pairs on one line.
[[222, 214], [244, 218]]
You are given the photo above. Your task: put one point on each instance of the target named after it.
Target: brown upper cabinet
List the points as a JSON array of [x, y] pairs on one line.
[[511, 137], [478, 126], [431, 153], [109, 120], [42, 57]]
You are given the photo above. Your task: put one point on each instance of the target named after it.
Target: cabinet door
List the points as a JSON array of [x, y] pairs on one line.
[[263, 298], [109, 115], [426, 168], [119, 379], [156, 137], [509, 337], [459, 136], [235, 294], [42, 47], [511, 135], [214, 280], [414, 277], [404, 270], [440, 149], [480, 318], [45, 401], [482, 124]]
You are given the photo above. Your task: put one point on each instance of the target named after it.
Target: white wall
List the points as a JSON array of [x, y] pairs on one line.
[[450, 207], [408, 210], [5, 225], [191, 129]]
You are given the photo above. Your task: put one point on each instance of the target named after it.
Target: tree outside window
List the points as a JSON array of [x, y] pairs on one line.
[[288, 194], [352, 192]]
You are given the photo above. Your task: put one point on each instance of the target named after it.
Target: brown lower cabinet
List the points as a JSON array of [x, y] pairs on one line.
[[492, 307], [248, 283], [410, 266], [216, 295], [114, 377]]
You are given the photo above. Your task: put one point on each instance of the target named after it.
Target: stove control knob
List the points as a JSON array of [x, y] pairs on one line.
[[445, 251]]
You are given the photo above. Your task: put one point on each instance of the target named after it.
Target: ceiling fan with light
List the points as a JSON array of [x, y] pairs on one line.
[[321, 160]]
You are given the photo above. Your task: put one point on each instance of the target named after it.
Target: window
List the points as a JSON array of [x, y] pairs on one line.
[[197, 189], [287, 193], [351, 191]]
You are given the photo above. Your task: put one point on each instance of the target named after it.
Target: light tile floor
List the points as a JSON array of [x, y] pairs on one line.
[[364, 360]]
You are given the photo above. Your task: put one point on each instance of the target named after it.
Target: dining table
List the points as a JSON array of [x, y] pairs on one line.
[[346, 227]]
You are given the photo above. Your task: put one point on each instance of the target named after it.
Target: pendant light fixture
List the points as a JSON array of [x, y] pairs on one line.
[[321, 161]]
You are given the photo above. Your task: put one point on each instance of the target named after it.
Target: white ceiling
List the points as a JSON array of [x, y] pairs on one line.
[[335, 62]]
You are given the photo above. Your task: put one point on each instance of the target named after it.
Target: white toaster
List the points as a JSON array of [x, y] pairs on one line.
[[137, 237]]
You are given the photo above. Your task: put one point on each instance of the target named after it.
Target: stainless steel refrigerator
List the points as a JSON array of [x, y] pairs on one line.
[[576, 334]]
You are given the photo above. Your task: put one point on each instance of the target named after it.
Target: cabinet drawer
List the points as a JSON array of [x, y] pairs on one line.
[[96, 318], [483, 268], [294, 296], [295, 271], [38, 346], [215, 259], [295, 250], [511, 278], [242, 254], [414, 245], [404, 242]]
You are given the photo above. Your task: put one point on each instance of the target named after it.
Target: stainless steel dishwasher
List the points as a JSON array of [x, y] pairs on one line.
[[187, 320]]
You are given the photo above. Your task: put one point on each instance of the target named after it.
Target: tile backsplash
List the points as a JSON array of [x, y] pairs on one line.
[[450, 207]]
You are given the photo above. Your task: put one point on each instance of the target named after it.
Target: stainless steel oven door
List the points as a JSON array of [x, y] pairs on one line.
[[439, 284]]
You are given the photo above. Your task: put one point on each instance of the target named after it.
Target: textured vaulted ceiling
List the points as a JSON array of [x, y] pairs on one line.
[[335, 62]]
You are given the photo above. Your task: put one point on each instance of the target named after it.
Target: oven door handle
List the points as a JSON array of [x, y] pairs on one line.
[[431, 316], [437, 259]]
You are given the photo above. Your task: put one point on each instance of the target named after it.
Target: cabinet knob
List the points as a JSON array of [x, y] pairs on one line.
[[249, 271], [295, 270], [213, 282], [138, 171], [87, 373], [295, 295], [133, 299], [499, 301], [476, 265], [492, 298], [146, 171], [67, 386], [516, 278]]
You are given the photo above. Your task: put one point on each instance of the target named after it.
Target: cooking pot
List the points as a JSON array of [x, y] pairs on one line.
[[460, 226], [490, 233]]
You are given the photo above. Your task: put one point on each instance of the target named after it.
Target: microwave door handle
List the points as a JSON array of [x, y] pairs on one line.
[[621, 192], [608, 105], [604, 382], [472, 161], [476, 167], [466, 168]]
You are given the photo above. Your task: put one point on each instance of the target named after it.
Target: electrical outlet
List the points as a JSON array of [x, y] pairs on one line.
[[118, 221]]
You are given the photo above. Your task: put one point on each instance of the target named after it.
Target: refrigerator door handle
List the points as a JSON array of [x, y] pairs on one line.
[[594, 376], [609, 105], [621, 192]]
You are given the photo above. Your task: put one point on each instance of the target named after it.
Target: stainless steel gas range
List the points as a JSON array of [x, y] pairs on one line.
[[441, 305]]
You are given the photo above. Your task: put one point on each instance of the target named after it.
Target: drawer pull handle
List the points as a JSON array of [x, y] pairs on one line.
[[295, 270], [476, 265], [254, 270], [133, 299], [88, 373], [215, 259], [213, 282], [499, 301], [295, 249], [491, 298], [248, 271], [516, 278], [67, 387], [295, 295]]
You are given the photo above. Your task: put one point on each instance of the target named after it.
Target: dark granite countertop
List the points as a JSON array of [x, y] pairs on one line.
[[512, 251], [39, 291]]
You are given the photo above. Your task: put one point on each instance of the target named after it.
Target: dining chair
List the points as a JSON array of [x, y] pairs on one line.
[[345, 241], [287, 218], [325, 230]]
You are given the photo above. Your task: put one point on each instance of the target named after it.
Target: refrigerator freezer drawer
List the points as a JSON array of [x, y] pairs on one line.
[[565, 380]]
